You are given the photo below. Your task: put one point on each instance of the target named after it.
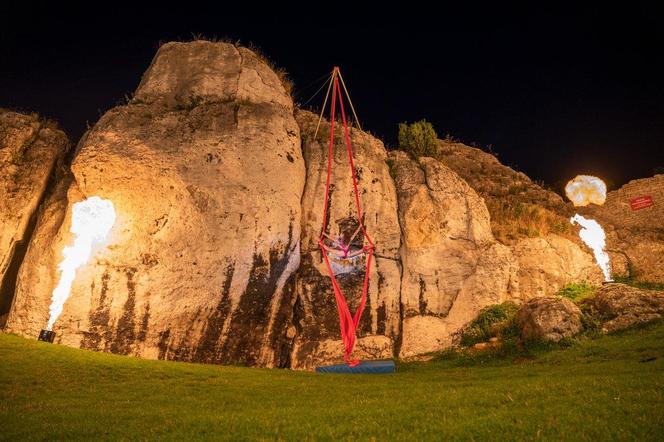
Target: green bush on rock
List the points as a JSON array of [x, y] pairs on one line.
[[418, 139], [494, 318], [577, 291]]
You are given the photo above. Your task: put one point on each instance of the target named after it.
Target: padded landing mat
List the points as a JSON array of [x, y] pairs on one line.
[[364, 367]]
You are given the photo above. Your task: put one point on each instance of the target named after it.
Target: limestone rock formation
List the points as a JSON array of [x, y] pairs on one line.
[[624, 306], [548, 263], [549, 318], [316, 319], [635, 237], [205, 171], [532, 220], [218, 186], [29, 314], [452, 266], [519, 208], [30, 149]]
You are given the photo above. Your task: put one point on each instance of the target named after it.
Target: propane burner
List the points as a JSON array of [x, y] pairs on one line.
[[46, 336]]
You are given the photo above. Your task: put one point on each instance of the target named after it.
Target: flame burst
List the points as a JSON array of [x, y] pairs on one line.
[[582, 191], [586, 189], [594, 237], [92, 219]]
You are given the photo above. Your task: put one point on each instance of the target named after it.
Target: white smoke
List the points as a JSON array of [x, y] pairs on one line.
[[594, 237], [92, 219]]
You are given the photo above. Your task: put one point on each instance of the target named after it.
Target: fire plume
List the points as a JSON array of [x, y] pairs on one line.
[[593, 236], [582, 191], [586, 189], [92, 219]]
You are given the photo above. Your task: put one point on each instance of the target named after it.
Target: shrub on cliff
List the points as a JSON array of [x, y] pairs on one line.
[[577, 291], [492, 320], [418, 139]]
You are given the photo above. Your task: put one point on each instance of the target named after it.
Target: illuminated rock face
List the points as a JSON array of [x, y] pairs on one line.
[[452, 265], [531, 220], [635, 236], [29, 152], [217, 185], [316, 323], [205, 171], [549, 263], [518, 206]]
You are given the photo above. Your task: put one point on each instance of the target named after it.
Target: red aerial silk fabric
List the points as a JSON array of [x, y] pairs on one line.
[[348, 322]]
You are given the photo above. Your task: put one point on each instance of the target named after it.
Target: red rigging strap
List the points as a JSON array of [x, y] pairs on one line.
[[348, 322]]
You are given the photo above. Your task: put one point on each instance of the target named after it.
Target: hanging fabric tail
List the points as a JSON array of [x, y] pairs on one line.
[[348, 322]]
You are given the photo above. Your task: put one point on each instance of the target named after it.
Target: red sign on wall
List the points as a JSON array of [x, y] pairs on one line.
[[641, 202]]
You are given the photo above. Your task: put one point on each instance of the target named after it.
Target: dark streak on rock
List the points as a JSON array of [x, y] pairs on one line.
[[358, 173], [183, 350], [163, 343], [364, 327], [251, 317], [290, 230], [329, 209], [423, 301], [125, 335], [98, 318], [207, 349], [284, 317], [236, 111], [381, 312], [142, 333]]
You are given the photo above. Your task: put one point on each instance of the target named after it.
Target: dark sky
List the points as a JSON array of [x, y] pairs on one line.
[[555, 91]]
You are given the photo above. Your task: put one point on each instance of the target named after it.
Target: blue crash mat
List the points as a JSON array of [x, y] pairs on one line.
[[364, 367]]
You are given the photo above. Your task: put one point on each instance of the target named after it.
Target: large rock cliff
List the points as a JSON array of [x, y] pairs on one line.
[[317, 321], [452, 265], [635, 233], [205, 171], [532, 220], [218, 185], [30, 149]]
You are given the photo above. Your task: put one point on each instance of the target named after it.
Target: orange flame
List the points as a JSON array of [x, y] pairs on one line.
[[586, 189]]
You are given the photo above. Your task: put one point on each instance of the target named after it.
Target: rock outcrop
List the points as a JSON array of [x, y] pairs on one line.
[[317, 321], [452, 266], [218, 186], [532, 220], [548, 263], [519, 208], [30, 149], [623, 306], [205, 171], [549, 318], [635, 238]]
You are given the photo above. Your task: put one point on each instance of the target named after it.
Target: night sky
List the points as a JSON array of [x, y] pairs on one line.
[[554, 91]]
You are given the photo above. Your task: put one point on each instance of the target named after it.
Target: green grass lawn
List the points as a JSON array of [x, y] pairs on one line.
[[609, 388]]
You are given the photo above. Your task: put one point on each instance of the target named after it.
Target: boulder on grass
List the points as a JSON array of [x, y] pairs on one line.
[[626, 306], [549, 318]]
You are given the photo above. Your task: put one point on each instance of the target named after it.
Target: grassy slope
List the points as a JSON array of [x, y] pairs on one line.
[[599, 389]]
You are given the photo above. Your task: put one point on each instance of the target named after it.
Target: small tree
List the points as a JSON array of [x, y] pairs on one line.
[[419, 139]]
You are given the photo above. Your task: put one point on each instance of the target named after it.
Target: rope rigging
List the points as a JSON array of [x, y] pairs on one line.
[[339, 248]]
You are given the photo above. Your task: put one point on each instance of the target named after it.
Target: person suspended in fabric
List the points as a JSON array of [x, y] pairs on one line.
[[340, 248]]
